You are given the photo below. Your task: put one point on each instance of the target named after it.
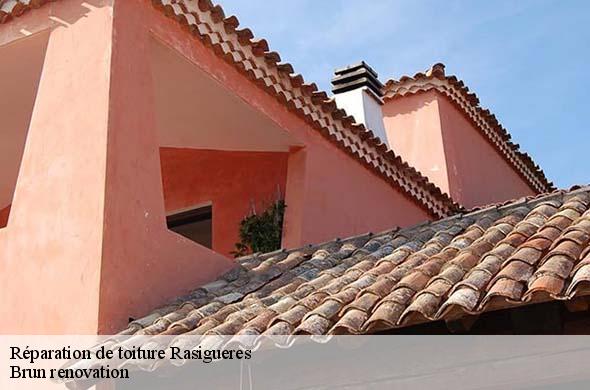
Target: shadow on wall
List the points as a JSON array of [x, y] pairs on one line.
[[20, 71], [4, 216]]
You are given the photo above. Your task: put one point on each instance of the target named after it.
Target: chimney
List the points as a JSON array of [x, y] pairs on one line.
[[358, 90]]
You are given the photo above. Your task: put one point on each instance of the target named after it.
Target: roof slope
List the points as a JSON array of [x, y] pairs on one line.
[[253, 58], [467, 102], [531, 250]]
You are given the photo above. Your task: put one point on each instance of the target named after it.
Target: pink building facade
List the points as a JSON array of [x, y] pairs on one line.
[[117, 114]]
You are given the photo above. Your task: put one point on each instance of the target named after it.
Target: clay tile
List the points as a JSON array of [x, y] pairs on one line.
[[580, 281], [205, 5], [550, 233], [438, 287], [382, 267], [580, 233], [508, 289], [385, 316], [272, 57], [259, 47], [559, 222], [398, 256], [451, 274], [516, 270], [437, 70], [347, 294], [328, 309], [430, 268], [350, 323], [538, 242], [244, 36], [204, 327], [465, 298], [230, 327], [231, 23], [568, 248], [528, 255], [477, 279], [296, 80], [558, 265], [543, 287], [401, 295], [526, 228], [286, 68], [514, 239], [319, 97], [179, 314], [261, 321], [155, 328], [278, 329], [382, 287], [313, 325], [283, 304], [364, 302], [465, 260], [313, 300], [210, 309], [423, 307], [545, 209], [217, 14], [293, 316], [415, 281]]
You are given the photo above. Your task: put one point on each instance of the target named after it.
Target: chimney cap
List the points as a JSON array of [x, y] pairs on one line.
[[356, 76], [353, 67]]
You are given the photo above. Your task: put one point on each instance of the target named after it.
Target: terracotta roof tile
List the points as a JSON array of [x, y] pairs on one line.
[[454, 89], [13, 8], [532, 250], [253, 58]]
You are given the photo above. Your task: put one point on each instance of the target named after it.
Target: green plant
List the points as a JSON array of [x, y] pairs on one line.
[[261, 232]]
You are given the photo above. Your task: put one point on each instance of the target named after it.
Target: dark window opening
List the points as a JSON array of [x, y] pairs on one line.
[[196, 225]]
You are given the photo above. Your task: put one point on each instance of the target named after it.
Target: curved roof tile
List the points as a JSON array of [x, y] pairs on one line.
[[531, 250]]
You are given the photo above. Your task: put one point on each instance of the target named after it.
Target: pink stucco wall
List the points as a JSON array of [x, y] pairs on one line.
[[88, 221], [413, 127], [430, 132], [87, 245], [328, 194], [232, 181], [4, 213], [479, 174]]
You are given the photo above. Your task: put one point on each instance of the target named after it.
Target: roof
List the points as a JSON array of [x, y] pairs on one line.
[[253, 58], [486, 122], [531, 250]]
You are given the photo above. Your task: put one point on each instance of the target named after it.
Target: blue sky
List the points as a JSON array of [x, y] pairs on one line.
[[527, 60]]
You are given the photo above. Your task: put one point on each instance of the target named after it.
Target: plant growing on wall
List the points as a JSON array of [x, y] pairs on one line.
[[261, 232]]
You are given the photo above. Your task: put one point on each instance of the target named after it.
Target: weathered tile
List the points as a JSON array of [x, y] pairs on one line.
[[438, 271]]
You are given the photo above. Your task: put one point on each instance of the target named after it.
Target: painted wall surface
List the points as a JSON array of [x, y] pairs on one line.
[[144, 264], [232, 181], [429, 132], [90, 187], [414, 132], [4, 213], [328, 193], [19, 81], [50, 252], [478, 173]]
